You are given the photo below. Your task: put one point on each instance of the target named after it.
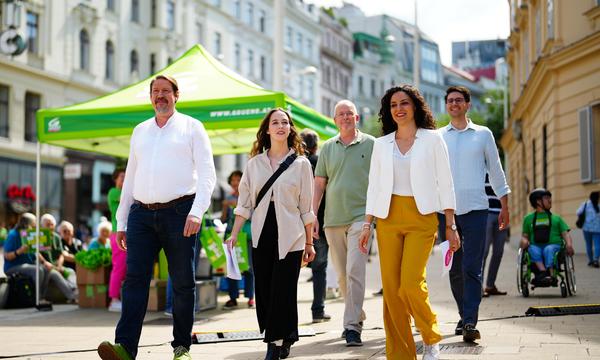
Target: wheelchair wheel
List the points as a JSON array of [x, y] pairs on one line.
[[522, 273], [563, 289], [570, 275]]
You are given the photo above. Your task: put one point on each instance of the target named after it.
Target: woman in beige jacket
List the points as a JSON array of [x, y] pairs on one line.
[[281, 227]]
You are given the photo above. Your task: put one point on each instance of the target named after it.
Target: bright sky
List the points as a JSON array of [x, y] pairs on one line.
[[443, 20]]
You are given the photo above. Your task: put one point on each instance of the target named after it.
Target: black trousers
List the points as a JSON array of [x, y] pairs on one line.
[[276, 283]]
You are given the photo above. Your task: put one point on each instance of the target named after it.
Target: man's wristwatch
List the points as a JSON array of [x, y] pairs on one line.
[[452, 227]]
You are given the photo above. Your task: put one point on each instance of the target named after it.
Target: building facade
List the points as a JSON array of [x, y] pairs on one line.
[[335, 61], [552, 138], [470, 55]]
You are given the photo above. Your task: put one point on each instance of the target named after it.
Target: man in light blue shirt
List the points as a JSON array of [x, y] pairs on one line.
[[473, 153]]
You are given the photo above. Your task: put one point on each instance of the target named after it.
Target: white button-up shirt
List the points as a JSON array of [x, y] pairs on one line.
[[168, 163], [473, 153]]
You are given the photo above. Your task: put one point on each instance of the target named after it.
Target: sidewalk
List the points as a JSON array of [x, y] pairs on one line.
[[72, 333]]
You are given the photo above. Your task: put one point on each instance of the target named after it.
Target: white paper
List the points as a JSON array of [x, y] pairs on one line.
[[447, 257], [233, 269]]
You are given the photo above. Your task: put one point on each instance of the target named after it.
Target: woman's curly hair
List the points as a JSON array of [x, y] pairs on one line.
[[423, 115]]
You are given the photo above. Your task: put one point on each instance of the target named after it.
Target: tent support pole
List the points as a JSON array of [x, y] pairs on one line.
[[37, 224]]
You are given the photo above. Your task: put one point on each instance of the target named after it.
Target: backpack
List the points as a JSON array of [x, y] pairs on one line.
[[21, 291]]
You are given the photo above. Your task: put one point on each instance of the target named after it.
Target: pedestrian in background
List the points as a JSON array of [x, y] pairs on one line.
[[282, 219], [168, 187], [409, 181], [591, 227], [119, 257], [228, 217], [319, 265], [495, 239]]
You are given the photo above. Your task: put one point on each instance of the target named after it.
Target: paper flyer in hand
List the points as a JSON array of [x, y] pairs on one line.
[[447, 256], [233, 269]]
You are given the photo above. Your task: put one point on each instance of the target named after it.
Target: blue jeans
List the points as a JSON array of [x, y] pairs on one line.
[[592, 237], [543, 253], [318, 267], [465, 274], [147, 232]]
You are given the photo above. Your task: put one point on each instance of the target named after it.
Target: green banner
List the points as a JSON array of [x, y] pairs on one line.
[[46, 240]]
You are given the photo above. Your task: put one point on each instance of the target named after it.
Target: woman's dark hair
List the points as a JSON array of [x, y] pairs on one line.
[[263, 141], [310, 139], [234, 173], [594, 196], [423, 116], [117, 172]]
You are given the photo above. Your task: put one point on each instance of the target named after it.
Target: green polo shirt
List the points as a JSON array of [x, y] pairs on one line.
[[346, 168]]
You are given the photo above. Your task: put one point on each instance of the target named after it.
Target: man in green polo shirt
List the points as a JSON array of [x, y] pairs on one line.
[[343, 170]]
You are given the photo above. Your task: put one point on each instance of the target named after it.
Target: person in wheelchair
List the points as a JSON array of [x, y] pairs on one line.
[[543, 236]]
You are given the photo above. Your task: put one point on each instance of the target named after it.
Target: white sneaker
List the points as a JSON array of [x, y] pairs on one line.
[[431, 352], [331, 293], [115, 306]]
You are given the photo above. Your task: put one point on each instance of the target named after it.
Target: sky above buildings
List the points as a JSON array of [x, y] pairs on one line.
[[443, 20]]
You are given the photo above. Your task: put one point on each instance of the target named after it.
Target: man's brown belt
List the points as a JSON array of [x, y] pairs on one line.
[[158, 206]]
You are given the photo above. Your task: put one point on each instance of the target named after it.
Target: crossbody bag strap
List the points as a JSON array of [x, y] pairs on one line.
[[282, 167]]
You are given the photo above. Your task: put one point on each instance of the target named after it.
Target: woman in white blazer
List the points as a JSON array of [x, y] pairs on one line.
[[409, 181]]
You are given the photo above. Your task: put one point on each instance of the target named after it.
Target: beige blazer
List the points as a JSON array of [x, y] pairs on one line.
[[430, 176]]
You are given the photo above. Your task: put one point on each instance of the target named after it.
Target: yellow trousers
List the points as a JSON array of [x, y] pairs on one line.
[[405, 239]]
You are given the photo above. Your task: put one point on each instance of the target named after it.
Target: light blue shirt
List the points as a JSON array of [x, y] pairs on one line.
[[592, 218], [472, 153]]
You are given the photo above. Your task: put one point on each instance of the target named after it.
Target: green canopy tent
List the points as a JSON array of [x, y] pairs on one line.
[[229, 106]]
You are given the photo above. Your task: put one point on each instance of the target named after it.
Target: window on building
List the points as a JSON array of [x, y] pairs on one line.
[[310, 89], [152, 63], [533, 164], [589, 143], [288, 37], [32, 105], [545, 156], [84, 50], [199, 33], [171, 15], [250, 62], [135, 10], [4, 111], [217, 44], [327, 77], [300, 43], [237, 56], [133, 62], [262, 21], [373, 90], [109, 72], [33, 32], [550, 19], [287, 69], [309, 48], [538, 31], [217, 3], [237, 9], [251, 14], [153, 13], [525, 50], [263, 68], [169, 60], [361, 89], [110, 5]]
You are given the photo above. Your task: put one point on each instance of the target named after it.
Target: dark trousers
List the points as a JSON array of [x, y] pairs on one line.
[[495, 239], [465, 274], [276, 284], [147, 232], [319, 267]]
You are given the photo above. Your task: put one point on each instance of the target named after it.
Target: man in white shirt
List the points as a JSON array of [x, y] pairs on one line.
[[473, 153], [169, 182]]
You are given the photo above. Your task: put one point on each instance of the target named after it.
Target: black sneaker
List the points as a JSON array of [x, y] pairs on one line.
[[470, 333], [284, 351], [353, 338], [230, 304], [459, 328], [596, 264], [321, 318]]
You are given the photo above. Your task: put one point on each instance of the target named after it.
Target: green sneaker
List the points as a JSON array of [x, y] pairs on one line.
[[181, 353], [108, 351]]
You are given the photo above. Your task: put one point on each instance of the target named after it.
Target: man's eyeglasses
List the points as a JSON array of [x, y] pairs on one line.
[[344, 114], [457, 101]]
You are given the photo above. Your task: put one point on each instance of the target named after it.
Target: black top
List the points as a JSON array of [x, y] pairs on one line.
[[494, 202], [321, 212]]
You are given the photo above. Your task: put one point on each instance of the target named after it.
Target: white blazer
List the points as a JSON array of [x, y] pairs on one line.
[[430, 176]]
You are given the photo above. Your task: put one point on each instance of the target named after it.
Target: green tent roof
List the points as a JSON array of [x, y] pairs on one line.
[[229, 106]]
